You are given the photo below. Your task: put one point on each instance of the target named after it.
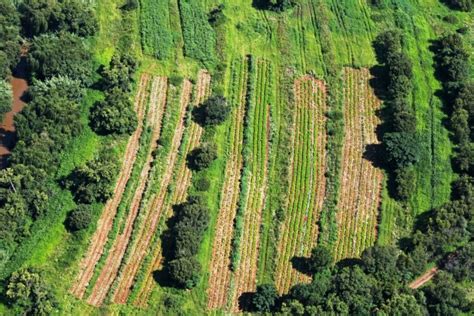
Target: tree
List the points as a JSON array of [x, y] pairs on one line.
[[461, 263], [201, 158], [61, 54], [120, 72], [402, 149], [79, 218], [36, 16], [387, 44], [403, 305], [265, 298], [6, 98], [9, 37], [94, 181], [321, 258], [114, 115], [76, 17], [213, 111], [184, 272], [445, 297], [27, 290]]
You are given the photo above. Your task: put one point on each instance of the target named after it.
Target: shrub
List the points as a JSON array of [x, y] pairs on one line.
[[265, 298], [321, 258], [80, 218], [202, 184], [6, 98], [402, 149]]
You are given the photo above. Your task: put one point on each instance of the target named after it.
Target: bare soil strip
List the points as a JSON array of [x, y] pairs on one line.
[[114, 259], [104, 225], [246, 273], [422, 279], [307, 180], [182, 181], [360, 181], [220, 273]]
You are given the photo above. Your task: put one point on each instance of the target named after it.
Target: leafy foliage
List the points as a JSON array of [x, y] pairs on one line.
[[79, 218], [62, 54], [9, 37], [213, 111], [94, 181], [202, 157], [5, 98], [265, 298], [27, 290], [184, 271]]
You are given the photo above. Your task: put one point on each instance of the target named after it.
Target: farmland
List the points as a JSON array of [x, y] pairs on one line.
[[221, 157]]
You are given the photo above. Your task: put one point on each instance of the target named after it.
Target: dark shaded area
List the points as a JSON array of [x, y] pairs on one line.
[[349, 262], [245, 302], [301, 264]]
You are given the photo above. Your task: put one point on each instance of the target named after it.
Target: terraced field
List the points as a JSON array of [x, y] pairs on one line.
[[360, 181], [307, 180]]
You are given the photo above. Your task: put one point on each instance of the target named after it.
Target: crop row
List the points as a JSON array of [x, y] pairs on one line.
[[360, 181], [156, 35], [307, 180], [254, 181], [220, 273]]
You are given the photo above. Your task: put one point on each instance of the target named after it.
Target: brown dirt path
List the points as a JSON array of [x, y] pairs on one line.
[[115, 256], [104, 225], [183, 180], [155, 208], [422, 279]]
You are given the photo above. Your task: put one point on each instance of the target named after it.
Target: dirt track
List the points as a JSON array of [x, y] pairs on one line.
[[422, 279]]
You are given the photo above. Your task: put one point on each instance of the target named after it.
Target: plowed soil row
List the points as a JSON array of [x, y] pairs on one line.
[[246, 273], [182, 182], [220, 273], [307, 181], [154, 208], [105, 222], [115, 256], [360, 181]]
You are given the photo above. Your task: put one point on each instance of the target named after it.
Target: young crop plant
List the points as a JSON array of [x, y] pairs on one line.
[[361, 182], [156, 34], [307, 180], [199, 36]]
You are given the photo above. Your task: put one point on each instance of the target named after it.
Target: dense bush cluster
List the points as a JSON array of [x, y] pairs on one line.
[[213, 111], [400, 139], [201, 158], [461, 5], [189, 224], [115, 114], [199, 36]]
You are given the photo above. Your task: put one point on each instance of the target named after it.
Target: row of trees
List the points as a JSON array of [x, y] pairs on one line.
[[400, 138], [191, 219]]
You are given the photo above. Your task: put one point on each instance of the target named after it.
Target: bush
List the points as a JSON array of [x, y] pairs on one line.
[[6, 98], [80, 218], [201, 158], [213, 111], [202, 184], [321, 258]]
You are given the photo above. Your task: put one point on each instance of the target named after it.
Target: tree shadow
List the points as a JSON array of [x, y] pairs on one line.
[[301, 264], [378, 82], [245, 302], [349, 262], [260, 4]]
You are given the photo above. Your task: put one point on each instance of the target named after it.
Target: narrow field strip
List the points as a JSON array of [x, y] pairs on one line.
[[307, 180], [104, 225], [153, 210], [245, 277], [220, 273], [114, 259], [182, 180], [361, 182]]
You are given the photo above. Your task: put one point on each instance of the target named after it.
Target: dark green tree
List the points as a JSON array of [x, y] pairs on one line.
[[184, 272], [79, 218], [5, 98], [201, 158], [321, 258], [213, 111], [402, 149], [265, 298]]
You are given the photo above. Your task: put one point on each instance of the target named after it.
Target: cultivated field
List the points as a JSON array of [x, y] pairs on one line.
[[220, 273], [307, 181], [359, 195]]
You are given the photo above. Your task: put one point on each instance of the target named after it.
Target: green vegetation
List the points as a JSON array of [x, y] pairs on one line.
[[199, 37], [156, 34]]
